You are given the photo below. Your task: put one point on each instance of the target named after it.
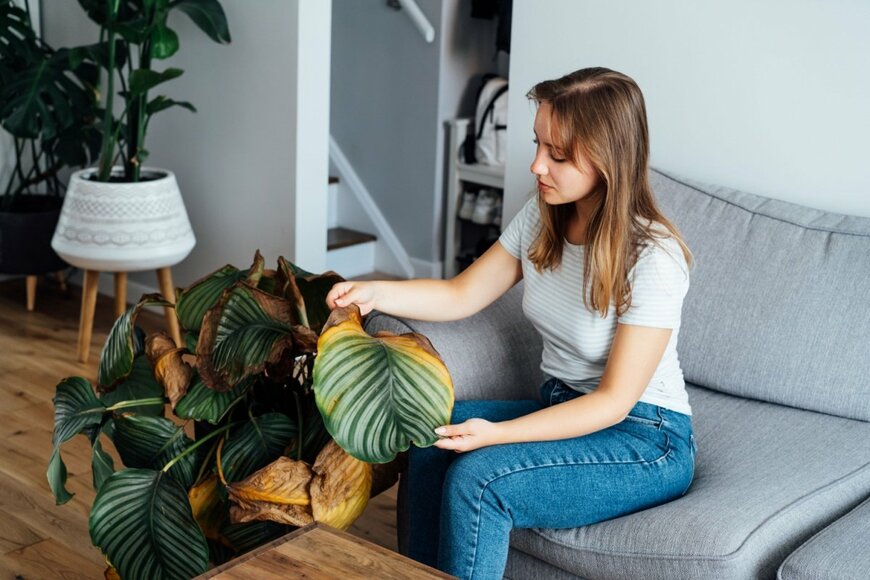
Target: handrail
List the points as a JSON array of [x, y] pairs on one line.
[[417, 17]]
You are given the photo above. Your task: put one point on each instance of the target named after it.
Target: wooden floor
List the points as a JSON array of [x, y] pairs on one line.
[[37, 349]]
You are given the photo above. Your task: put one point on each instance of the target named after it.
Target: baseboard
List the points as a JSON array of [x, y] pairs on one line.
[[384, 232]]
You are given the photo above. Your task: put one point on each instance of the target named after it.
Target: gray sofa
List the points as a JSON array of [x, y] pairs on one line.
[[775, 346]]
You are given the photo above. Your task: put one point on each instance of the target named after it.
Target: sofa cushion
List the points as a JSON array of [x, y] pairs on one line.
[[842, 550], [467, 346], [779, 304], [767, 478]]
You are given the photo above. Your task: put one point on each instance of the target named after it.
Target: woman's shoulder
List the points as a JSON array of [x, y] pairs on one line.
[[661, 248]]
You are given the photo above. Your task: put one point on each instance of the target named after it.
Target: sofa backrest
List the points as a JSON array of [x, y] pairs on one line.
[[779, 303]]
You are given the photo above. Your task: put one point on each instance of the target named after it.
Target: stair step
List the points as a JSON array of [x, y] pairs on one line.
[[343, 237], [332, 179]]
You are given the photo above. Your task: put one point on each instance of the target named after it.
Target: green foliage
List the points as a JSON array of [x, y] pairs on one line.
[[165, 512]]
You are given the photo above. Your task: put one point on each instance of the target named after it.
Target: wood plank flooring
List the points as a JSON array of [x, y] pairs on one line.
[[37, 538]]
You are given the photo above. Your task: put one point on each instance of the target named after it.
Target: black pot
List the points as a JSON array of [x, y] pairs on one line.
[[25, 236]]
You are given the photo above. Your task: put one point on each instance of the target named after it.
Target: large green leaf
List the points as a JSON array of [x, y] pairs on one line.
[[116, 359], [76, 410], [161, 103], [379, 394], [151, 442], [256, 444], [204, 404], [208, 16], [247, 330], [143, 80], [139, 384], [142, 520], [195, 300]]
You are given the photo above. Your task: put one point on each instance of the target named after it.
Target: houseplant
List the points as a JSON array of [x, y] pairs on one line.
[[139, 221], [269, 376], [48, 106]]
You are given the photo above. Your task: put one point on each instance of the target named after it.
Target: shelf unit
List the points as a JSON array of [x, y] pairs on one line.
[[457, 174]]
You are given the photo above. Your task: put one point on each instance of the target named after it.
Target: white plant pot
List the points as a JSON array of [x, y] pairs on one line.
[[123, 227]]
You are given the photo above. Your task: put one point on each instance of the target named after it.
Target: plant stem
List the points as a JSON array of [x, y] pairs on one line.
[[137, 403], [196, 445], [108, 117]]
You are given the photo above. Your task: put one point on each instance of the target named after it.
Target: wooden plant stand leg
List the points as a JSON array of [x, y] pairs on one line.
[[61, 280], [31, 293], [164, 277], [89, 304], [120, 293]]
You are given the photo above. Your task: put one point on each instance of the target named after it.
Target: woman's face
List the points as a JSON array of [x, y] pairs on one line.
[[559, 179]]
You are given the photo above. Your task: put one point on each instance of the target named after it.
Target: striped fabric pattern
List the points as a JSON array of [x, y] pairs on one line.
[[576, 341]]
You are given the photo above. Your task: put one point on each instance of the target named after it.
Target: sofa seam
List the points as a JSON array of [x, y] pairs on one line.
[[719, 558], [754, 212]]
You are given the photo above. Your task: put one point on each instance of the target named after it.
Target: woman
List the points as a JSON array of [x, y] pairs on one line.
[[605, 276]]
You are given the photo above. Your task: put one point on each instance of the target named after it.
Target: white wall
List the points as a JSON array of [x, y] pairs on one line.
[[260, 135], [772, 97]]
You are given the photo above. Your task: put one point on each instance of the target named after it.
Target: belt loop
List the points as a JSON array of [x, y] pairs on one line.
[[661, 417]]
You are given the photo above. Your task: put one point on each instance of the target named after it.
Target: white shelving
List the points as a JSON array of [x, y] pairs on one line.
[[459, 173]]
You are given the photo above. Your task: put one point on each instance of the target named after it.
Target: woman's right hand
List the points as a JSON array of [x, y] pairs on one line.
[[346, 293]]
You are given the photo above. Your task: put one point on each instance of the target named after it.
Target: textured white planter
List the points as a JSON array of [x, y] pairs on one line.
[[123, 227]]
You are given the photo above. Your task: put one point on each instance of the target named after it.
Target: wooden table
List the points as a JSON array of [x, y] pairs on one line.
[[318, 551]]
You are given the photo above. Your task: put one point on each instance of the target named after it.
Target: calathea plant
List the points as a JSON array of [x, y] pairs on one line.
[[275, 414]]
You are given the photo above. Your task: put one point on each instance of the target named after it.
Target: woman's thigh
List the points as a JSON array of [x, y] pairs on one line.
[[492, 410], [575, 482]]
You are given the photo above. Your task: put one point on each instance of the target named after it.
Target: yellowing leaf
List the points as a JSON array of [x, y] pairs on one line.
[[206, 505], [341, 487], [170, 370], [293, 515]]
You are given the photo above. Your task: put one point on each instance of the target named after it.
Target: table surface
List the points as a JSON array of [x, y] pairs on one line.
[[319, 551]]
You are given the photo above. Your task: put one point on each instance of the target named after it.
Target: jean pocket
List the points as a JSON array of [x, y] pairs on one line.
[[643, 421]]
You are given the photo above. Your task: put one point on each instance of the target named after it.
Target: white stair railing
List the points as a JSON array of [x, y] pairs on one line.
[[417, 17]]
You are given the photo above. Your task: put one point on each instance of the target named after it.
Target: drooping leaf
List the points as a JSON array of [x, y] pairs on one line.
[[199, 297], [142, 520], [340, 488], [139, 384], [102, 465], [243, 511], [116, 359], [314, 290], [204, 404], [256, 444], [285, 481], [379, 394], [209, 16], [255, 272], [170, 371], [151, 442], [162, 103], [57, 475], [247, 330]]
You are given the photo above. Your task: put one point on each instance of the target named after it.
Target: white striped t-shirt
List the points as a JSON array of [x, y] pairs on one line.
[[577, 341]]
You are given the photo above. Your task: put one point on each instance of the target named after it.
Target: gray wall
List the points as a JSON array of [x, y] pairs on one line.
[[769, 97], [235, 160], [390, 94]]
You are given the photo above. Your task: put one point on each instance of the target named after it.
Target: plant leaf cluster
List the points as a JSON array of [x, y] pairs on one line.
[[270, 416]]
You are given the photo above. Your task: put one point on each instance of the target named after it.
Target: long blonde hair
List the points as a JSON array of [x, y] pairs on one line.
[[600, 114]]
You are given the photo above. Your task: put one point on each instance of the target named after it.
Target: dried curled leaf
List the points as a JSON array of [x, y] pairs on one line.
[[341, 487], [283, 482], [170, 370], [293, 515]]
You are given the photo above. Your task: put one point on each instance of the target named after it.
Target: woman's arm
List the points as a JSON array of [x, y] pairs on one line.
[[634, 355], [474, 289]]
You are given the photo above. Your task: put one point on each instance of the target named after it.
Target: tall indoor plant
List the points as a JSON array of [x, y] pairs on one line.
[[293, 405], [49, 108]]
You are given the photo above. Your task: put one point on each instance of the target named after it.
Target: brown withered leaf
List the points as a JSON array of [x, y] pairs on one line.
[[206, 505], [341, 487], [284, 482], [111, 574], [294, 515], [170, 370]]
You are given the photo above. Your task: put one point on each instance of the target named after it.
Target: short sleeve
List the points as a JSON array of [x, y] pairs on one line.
[[659, 282], [511, 238]]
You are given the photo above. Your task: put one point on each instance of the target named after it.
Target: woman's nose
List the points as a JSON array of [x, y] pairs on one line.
[[538, 167]]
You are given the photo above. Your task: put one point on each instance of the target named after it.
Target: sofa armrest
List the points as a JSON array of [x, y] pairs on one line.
[[840, 550], [494, 354]]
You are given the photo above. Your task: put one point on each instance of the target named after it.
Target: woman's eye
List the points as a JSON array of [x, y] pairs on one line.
[[557, 159]]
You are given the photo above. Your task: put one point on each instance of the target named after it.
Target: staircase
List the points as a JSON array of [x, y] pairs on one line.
[[349, 252]]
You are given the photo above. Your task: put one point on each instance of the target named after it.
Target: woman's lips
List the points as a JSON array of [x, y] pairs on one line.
[[543, 186]]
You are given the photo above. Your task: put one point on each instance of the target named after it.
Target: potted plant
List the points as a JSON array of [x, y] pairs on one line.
[[299, 413], [48, 106]]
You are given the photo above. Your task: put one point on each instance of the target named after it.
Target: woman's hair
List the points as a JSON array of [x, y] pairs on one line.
[[600, 114]]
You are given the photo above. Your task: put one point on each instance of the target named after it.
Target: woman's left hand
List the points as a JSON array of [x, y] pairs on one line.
[[472, 434]]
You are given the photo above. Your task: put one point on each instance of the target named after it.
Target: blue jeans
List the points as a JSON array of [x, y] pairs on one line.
[[462, 507]]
